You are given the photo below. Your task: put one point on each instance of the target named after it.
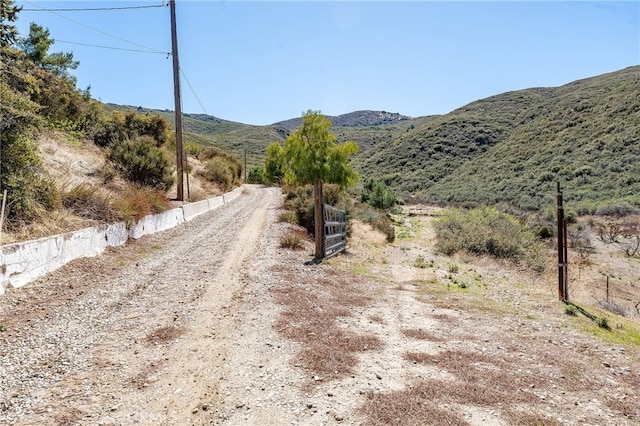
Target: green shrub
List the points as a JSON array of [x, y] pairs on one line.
[[602, 322], [485, 231], [256, 175], [120, 127], [421, 263], [192, 149], [141, 161], [570, 309], [377, 194], [19, 170], [288, 217], [222, 169], [300, 200], [621, 209], [219, 171]]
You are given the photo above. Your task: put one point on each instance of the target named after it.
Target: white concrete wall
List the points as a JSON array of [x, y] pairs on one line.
[[230, 196], [156, 223], [21, 263], [192, 210], [216, 202]]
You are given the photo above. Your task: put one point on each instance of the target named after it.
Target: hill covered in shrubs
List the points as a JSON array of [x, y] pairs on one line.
[[515, 146]]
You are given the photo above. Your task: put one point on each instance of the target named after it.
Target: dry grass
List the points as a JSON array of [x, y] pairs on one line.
[[70, 418], [309, 316], [510, 351], [141, 380], [164, 335], [89, 201], [514, 382], [445, 318], [293, 239], [376, 318], [482, 381], [420, 334]]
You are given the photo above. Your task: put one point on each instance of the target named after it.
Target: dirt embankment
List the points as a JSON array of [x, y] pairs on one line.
[[213, 323]]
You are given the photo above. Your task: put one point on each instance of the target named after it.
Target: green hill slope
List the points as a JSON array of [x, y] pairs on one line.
[[367, 128], [513, 147]]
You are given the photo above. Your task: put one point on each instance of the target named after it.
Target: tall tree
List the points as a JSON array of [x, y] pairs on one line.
[[37, 46], [311, 153], [311, 156]]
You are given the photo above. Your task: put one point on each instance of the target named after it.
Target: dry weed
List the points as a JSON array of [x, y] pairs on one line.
[[164, 335], [309, 316], [420, 334]]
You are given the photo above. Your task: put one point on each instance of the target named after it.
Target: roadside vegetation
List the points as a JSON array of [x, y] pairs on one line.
[[134, 151], [486, 231]]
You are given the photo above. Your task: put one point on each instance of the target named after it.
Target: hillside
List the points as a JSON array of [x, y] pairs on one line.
[[368, 128], [513, 147]]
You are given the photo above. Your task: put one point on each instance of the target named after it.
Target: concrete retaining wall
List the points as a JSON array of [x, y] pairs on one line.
[[21, 263], [156, 223], [230, 196]]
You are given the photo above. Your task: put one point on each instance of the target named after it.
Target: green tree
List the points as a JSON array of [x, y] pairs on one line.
[[37, 46], [311, 153], [274, 163], [377, 194], [8, 13], [20, 166], [256, 175], [311, 156]]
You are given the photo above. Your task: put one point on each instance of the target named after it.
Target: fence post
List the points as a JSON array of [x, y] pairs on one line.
[[565, 288], [319, 219], [561, 259]]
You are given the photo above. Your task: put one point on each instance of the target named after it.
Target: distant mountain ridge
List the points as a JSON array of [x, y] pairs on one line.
[[353, 119]]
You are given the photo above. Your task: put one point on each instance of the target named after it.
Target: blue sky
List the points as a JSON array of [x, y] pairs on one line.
[[259, 62]]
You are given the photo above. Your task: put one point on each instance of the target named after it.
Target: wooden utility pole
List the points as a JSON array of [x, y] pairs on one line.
[[561, 252], [319, 219], [178, 101]]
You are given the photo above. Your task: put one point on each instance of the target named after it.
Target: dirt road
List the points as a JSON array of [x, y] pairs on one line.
[[213, 323], [142, 334]]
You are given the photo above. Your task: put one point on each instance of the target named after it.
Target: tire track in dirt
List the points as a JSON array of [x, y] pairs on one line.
[[143, 338]]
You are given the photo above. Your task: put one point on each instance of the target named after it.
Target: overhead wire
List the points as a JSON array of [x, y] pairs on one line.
[[193, 91], [87, 9], [149, 49], [112, 48]]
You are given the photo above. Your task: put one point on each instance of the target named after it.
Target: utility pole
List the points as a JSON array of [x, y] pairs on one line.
[[178, 101]]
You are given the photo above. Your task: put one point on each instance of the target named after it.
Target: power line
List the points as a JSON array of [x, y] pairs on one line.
[[113, 48], [150, 49], [93, 9], [193, 91]]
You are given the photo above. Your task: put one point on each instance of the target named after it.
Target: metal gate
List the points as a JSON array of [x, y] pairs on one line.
[[335, 230]]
